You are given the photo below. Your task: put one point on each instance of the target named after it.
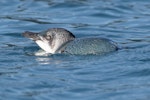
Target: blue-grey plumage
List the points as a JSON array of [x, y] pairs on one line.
[[90, 45]]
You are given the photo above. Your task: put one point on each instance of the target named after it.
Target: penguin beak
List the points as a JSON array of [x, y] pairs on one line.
[[31, 35], [40, 40]]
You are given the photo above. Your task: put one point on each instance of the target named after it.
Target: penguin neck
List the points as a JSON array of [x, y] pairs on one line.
[[62, 47], [56, 46]]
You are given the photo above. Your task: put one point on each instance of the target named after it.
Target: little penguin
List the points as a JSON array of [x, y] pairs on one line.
[[60, 40]]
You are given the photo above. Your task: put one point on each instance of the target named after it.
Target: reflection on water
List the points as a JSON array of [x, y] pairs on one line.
[[43, 60], [117, 76]]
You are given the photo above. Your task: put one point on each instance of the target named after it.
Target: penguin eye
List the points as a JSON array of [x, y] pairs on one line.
[[48, 37]]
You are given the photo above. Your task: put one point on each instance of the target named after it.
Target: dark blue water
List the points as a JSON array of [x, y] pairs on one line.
[[122, 75]]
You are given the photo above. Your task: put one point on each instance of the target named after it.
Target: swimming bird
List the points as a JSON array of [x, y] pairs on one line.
[[60, 40]]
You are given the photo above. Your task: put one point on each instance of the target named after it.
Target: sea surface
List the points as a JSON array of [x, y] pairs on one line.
[[121, 75]]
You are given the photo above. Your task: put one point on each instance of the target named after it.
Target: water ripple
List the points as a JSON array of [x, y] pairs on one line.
[[117, 76]]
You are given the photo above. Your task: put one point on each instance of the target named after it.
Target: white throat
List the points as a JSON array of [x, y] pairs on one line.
[[54, 47], [45, 46]]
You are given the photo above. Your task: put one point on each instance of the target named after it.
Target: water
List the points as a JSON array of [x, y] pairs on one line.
[[122, 75]]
